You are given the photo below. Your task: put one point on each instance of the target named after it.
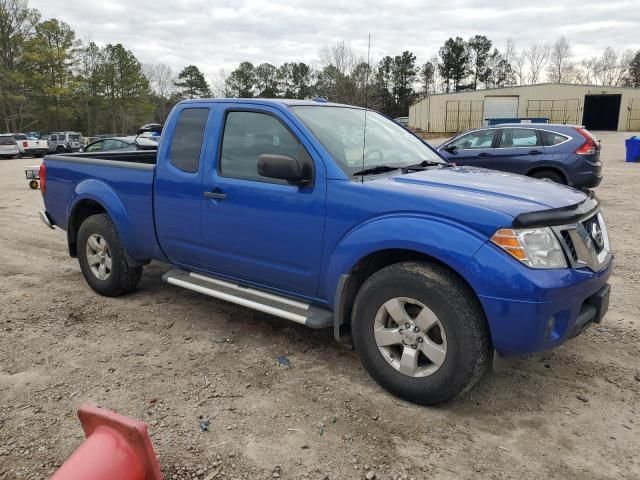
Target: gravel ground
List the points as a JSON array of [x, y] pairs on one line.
[[173, 358]]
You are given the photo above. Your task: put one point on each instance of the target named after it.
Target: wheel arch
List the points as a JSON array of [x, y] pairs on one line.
[[445, 244], [549, 168], [92, 197]]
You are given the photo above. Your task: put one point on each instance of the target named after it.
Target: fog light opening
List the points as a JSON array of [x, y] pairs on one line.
[[549, 330]]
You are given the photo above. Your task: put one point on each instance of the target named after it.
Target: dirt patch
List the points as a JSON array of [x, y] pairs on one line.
[[173, 358]]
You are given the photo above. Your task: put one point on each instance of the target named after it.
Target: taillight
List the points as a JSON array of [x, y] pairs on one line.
[[589, 147], [25, 144], [43, 178]]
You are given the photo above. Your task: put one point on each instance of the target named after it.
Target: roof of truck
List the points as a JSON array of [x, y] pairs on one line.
[[271, 101]]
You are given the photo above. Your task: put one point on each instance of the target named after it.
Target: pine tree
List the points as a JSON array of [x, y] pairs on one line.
[[192, 83]]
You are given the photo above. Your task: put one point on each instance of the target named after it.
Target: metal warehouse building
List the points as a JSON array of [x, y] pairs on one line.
[[596, 107]]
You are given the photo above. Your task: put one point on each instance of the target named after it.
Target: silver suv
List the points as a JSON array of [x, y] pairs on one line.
[[61, 142]]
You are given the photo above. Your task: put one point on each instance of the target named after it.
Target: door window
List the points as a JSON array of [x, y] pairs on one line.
[[478, 139], [518, 137], [184, 152], [247, 135], [53, 138], [94, 147], [112, 144]]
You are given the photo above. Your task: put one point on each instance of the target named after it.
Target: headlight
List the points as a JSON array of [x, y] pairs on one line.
[[535, 247]]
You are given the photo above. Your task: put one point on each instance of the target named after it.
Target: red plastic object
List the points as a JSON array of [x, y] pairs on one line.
[[116, 447], [43, 178]]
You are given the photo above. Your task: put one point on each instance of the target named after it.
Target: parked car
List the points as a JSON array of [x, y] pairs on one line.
[[122, 143], [60, 142], [270, 204], [31, 147], [8, 146], [565, 154], [404, 121]]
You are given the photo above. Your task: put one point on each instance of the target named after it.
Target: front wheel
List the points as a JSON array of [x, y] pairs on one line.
[[102, 258], [420, 332]]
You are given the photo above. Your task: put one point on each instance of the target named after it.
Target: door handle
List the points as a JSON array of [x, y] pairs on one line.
[[535, 152], [215, 195], [484, 155]]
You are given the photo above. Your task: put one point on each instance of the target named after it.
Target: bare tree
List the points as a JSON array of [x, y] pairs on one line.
[[587, 71], [219, 84], [341, 56], [520, 67], [561, 67], [509, 52], [612, 66], [537, 56], [162, 82]]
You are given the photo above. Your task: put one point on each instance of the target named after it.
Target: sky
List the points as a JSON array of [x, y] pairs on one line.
[[216, 34]]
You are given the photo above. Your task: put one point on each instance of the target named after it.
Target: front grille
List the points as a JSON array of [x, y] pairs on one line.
[[586, 243], [589, 224], [572, 249]]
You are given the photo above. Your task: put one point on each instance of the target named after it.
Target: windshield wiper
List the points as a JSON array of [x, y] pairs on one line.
[[424, 164], [376, 169]]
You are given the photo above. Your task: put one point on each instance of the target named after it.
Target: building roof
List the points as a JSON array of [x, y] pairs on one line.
[[530, 85]]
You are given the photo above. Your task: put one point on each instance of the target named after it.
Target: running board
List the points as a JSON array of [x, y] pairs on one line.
[[283, 307]]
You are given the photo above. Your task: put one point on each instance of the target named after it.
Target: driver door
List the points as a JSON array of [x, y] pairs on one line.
[[261, 230]]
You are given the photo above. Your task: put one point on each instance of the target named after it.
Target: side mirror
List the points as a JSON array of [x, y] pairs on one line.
[[284, 167], [451, 149]]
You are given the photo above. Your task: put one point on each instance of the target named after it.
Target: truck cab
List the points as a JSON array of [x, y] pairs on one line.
[[335, 216]]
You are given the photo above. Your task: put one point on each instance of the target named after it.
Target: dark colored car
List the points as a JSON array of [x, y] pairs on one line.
[[122, 143], [562, 153]]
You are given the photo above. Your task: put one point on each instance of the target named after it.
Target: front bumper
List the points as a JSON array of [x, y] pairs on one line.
[[532, 310]]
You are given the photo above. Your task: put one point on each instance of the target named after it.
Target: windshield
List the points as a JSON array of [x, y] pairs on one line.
[[341, 132]]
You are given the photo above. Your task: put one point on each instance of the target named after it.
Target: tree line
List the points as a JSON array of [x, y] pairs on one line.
[[51, 80]]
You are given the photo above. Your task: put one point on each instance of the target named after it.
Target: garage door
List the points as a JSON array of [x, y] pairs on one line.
[[500, 107]]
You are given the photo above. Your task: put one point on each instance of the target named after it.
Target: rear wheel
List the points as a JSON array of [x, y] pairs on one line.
[[549, 175], [33, 184], [420, 332], [102, 258], [60, 150]]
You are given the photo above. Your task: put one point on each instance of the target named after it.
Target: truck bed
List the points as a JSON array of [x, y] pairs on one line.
[[125, 179]]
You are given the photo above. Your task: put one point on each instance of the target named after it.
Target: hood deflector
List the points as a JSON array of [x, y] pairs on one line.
[[558, 216]]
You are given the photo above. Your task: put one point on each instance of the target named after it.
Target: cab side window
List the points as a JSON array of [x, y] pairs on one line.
[[247, 135], [478, 139], [184, 152]]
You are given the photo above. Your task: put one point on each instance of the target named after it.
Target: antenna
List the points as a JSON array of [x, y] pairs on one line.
[[366, 105]]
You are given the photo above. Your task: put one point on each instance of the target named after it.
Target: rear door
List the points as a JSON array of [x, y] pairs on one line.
[[517, 149], [255, 229], [178, 183], [473, 148]]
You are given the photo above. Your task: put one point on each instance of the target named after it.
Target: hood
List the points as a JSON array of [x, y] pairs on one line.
[[499, 191]]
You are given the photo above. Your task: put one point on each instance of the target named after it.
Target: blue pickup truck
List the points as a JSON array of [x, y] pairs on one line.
[[336, 217]]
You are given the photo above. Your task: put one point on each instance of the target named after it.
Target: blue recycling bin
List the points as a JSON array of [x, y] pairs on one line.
[[633, 149]]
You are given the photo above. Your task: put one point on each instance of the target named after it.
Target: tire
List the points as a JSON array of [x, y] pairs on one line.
[[461, 332], [120, 277], [33, 184], [549, 175], [60, 150]]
